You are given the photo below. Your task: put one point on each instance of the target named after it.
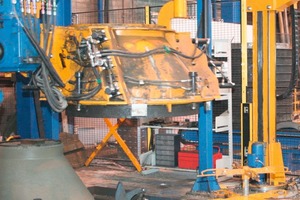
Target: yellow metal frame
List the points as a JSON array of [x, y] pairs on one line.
[[246, 173], [263, 112], [244, 67], [265, 13], [113, 132]]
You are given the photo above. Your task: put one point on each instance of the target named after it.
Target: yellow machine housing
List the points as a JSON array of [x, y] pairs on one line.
[[143, 70]]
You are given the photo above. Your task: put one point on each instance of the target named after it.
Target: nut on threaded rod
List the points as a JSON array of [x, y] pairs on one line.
[[193, 76], [79, 76]]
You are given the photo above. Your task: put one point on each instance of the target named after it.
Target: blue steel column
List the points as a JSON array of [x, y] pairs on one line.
[[27, 126], [64, 13], [205, 148], [100, 11], [52, 125], [200, 33], [26, 115], [205, 115], [204, 20], [214, 9]]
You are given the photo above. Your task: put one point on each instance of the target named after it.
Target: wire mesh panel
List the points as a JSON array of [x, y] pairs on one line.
[[91, 131], [85, 17], [131, 15], [140, 3]]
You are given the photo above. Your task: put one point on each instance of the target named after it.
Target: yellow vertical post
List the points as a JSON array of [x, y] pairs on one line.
[[244, 51], [244, 67], [148, 138], [272, 75], [264, 82], [180, 9], [266, 69], [147, 15]]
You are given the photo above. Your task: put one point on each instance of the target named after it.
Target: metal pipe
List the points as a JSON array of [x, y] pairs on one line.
[[180, 8], [281, 28], [106, 11], [246, 187], [286, 27], [147, 15]]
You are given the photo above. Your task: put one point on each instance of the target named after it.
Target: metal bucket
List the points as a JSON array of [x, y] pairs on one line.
[[38, 170]]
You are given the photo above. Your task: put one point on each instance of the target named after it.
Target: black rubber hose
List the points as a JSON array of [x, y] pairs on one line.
[[44, 57], [295, 56], [90, 94], [165, 49]]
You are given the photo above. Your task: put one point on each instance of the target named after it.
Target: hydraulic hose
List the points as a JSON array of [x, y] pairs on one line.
[[164, 49], [40, 51], [93, 92], [44, 57]]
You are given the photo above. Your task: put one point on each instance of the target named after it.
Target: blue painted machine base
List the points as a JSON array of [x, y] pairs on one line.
[[206, 184], [27, 126]]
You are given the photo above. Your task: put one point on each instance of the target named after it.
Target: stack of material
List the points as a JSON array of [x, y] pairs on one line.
[[167, 147], [128, 131], [73, 149]]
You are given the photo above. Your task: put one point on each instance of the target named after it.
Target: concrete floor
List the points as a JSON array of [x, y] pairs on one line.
[[103, 177], [165, 183]]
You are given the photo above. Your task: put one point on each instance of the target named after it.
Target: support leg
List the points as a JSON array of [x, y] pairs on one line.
[[98, 148], [205, 147], [125, 148], [113, 132]]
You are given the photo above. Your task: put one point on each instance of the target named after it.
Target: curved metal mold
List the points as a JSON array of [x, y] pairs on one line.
[[134, 64], [37, 169]]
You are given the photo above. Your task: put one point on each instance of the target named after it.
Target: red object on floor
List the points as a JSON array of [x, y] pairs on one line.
[[216, 156], [190, 159]]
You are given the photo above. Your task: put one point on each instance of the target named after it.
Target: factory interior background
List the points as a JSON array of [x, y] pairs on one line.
[[164, 151]]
